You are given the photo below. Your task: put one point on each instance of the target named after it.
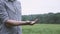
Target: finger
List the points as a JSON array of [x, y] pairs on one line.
[[36, 20], [33, 22]]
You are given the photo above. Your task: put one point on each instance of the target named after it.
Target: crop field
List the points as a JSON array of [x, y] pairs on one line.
[[41, 29]]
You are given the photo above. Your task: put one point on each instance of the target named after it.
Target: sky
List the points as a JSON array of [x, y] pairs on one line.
[[39, 6]]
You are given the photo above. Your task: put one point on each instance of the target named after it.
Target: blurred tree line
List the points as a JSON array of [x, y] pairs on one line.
[[50, 18]]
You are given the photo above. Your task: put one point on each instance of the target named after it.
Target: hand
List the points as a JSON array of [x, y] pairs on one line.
[[33, 22]]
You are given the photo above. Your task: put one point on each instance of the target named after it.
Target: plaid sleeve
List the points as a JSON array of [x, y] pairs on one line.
[[3, 13]]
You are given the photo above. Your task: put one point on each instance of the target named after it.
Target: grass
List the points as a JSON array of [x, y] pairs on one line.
[[42, 29]]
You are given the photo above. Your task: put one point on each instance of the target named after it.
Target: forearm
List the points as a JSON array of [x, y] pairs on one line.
[[15, 23]]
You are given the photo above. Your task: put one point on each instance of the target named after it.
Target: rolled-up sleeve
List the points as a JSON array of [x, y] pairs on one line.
[[3, 13]]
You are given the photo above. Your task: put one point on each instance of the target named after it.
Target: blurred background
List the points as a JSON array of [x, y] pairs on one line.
[[48, 13]]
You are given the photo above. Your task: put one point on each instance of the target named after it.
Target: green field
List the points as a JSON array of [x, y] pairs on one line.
[[42, 29]]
